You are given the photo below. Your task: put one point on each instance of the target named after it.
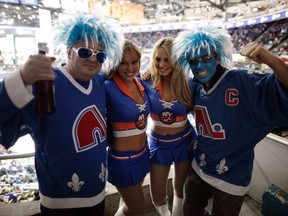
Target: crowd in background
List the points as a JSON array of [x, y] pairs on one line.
[[272, 35]]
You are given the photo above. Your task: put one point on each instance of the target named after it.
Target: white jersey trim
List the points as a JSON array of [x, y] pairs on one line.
[[62, 203], [216, 84], [126, 133], [75, 83], [16, 90], [220, 184]]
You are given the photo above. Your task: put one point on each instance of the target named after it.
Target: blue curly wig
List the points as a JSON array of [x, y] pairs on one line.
[[80, 26], [188, 43]]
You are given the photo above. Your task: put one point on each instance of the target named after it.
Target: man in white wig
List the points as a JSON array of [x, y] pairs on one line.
[[70, 145]]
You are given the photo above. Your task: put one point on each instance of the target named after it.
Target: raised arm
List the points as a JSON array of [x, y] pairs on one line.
[[14, 96], [37, 67], [259, 54]]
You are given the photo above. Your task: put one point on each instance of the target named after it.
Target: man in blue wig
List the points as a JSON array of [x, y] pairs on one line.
[[70, 145], [234, 110]]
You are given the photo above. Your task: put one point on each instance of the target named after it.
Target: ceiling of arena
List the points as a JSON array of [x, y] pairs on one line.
[[180, 7], [25, 15], [183, 10]]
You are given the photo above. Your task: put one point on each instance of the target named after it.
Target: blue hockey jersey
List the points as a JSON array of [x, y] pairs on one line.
[[231, 118], [70, 145]]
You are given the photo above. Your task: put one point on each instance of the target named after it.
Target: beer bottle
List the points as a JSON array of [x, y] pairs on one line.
[[45, 95]]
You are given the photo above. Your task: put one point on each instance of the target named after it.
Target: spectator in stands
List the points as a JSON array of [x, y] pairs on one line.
[[234, 110], [170, 133], [70, 144], [127, 112]]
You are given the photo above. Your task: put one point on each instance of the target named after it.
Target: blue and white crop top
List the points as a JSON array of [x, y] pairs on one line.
[[163, 113], [126, 117]]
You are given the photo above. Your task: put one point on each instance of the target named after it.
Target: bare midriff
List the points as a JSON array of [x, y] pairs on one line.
[[131, 143], [165, 131]]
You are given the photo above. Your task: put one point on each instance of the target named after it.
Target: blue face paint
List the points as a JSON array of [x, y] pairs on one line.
[[203, 62]]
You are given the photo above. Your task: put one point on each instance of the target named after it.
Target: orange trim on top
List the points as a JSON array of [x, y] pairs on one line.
[[123, 125], [119, 82]]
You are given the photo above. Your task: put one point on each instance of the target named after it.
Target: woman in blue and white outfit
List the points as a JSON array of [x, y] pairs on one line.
[[127, 112], [170, 133]]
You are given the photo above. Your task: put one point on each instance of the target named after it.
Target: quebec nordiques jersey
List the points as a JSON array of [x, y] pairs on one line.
[[126, 117], [231, 118], [70, 145]]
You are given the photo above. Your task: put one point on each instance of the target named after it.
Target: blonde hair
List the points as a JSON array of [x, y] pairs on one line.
[[179, 82], [129, 45]]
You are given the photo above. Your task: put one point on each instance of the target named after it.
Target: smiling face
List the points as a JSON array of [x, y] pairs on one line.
[[203, 65], [162, 62], [80, 68], [129, 67]]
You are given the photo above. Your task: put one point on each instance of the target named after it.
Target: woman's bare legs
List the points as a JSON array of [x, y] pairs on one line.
[[134, 201], [158, 187], [180, 174]]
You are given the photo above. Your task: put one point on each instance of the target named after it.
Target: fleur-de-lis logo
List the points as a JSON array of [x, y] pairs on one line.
[[202, 159], [75, 184], [221, 168], [102, 174]]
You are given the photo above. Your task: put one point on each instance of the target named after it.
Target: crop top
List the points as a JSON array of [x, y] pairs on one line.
[[126, 117], [163, 113]]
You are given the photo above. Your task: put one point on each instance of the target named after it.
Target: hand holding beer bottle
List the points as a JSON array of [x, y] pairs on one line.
[[45, 95]]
